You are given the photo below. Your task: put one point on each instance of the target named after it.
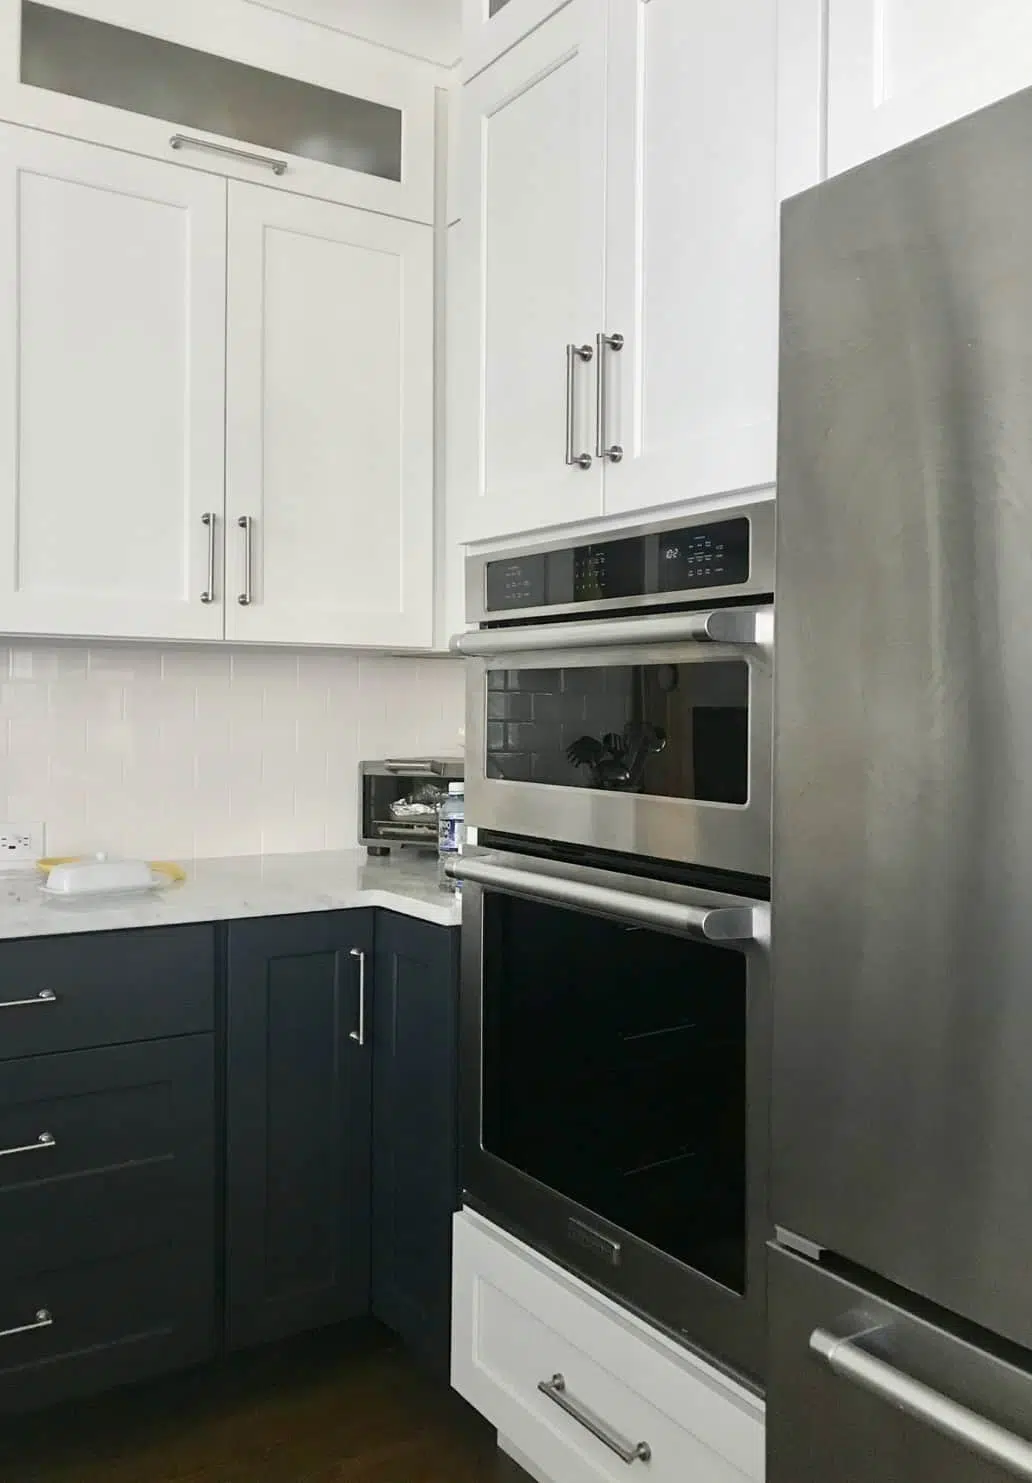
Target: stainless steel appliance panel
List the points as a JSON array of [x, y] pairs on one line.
[[727, 836], [861, 1391], [725, 1324], [759, 513], [903, 807]]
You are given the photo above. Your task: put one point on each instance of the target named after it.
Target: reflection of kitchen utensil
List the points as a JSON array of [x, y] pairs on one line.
[[644, 741], [618, 762]]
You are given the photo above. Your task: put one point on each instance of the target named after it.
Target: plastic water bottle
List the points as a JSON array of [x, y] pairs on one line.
[[451, 832]]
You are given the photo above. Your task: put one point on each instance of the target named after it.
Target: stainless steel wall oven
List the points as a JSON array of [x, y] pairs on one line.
[[615, 1012], [619, 694]]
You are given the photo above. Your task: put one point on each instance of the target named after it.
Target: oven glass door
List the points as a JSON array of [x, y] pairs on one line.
[[660, 751], [614, 1072]]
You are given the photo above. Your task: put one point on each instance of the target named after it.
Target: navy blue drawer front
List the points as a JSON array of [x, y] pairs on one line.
[[105, 988], [106, 1151], [86, 1327]]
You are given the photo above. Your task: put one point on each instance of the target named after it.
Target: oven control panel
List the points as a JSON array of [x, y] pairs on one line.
[[687, 560]]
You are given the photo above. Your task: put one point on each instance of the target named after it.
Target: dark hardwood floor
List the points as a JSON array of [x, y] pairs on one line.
[[340, 1405]]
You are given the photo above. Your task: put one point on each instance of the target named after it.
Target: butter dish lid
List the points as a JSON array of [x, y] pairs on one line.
[[99, 875]]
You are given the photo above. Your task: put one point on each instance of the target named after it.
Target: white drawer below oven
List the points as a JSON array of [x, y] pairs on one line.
[[518, 1320]]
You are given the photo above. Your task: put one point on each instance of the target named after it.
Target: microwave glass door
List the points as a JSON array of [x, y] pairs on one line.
[[614, 1072], [678, 730]]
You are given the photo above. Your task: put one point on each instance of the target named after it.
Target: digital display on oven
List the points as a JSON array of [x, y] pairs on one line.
[[687, 560], [703, 556], [516, 583]]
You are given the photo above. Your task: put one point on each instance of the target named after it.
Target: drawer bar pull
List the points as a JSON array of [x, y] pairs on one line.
[[555, 1390], [45, 996], [45, 1140], [44, 1319]]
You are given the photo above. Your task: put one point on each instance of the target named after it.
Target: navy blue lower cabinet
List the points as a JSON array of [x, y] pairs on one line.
[[415, 1131], [298, 1108], [107, 1219]]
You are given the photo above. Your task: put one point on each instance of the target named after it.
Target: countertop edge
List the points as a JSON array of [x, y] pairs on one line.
[[214, 892]]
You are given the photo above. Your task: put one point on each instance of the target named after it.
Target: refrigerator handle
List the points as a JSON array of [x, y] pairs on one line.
[[987, 1440]]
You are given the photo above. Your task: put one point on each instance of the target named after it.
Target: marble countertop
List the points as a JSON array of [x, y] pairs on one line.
[[240, 886]]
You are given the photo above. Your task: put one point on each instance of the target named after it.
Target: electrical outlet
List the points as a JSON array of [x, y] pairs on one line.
[[21, 845]]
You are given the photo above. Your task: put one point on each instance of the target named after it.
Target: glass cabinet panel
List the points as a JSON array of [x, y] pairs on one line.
[[90, 59]]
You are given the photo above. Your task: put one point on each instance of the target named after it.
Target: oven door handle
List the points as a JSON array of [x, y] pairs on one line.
[[705, 923], [741, 626]]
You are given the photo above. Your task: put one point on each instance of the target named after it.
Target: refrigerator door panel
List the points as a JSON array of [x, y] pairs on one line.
[[902, 929], [862, 1391]]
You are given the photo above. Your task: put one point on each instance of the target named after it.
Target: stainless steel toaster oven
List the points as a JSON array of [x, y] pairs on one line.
[[400, 800]]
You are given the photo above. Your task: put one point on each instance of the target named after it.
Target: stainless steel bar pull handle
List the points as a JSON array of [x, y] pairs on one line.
[[705, 923], [752, 627], [45, 996], [979, 1435], [612, 451], [246, 524], [269, 162], [208, 595], [574, 353], [43, 1320], [359, 1034], [45, 1140], [555, 1390]]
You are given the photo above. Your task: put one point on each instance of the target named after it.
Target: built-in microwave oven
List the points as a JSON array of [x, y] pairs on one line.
[[619, 692]]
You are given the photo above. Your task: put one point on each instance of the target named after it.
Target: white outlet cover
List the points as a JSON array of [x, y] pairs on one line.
[[28, 841]]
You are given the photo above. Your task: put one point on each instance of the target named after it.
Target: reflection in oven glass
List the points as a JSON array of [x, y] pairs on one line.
[[672, 731], [614, 1073]]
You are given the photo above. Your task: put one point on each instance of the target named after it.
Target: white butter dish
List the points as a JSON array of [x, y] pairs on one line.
[[101, 877]]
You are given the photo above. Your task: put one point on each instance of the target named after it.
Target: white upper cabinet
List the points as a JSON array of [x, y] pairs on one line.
[[491, 27], [531, 278], [691, 250], [619, 279], [860, 77], [236, 87], [112, 314], [329, 425]]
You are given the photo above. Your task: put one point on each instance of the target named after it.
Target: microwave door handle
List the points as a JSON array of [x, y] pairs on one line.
[[706, 924], [737, 626], [948, 1417]]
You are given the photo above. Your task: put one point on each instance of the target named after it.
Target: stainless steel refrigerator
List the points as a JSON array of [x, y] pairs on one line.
[[900, 1338]]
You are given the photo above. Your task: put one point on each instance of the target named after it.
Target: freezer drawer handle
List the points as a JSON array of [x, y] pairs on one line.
[[555, 1390], [738, 626], [44, 1320], [705, 923], [985, 1438]]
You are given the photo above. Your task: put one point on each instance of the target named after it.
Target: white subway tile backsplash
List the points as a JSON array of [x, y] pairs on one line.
[[180, 752]]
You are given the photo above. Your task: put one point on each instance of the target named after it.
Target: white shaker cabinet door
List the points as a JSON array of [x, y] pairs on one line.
[[692, 262], [112, 319], [491, 27], [900, 68], [530, 278], [329, 493]]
